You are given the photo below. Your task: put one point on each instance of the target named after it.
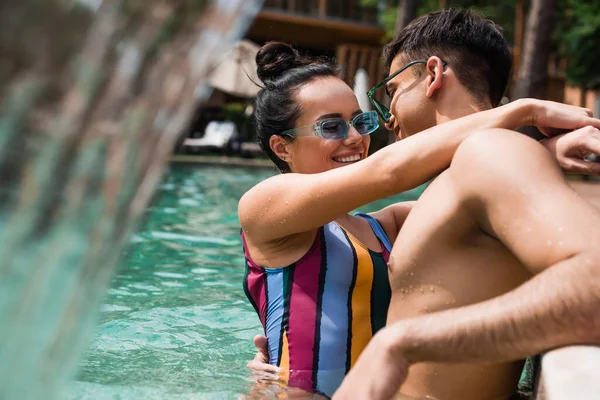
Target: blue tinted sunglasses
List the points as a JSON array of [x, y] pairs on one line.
[[337, 128]]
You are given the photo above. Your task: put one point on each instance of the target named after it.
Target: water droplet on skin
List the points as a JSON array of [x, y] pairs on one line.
[[422, 291], [432, 289], [549, 243], [439, 282], [287, 202], [412, 273]]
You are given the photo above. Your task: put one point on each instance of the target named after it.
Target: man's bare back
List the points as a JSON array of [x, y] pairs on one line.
[[443, 259]]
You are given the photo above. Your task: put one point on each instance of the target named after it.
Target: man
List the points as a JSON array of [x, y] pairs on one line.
[[499, 258]]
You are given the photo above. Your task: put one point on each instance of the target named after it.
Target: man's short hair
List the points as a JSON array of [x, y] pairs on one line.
[[473, 46]]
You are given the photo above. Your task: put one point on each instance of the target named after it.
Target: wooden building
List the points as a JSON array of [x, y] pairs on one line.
[[343, 29]]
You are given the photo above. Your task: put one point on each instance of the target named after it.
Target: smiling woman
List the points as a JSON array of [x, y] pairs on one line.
[[316, 275]]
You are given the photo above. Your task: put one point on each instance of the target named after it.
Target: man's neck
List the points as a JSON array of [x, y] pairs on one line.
[[457, 105], [459, 110]]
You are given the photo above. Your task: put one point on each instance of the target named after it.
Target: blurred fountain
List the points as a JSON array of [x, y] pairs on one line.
[[93, 94]]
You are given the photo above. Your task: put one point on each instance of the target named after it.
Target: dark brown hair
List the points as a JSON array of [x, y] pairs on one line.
[[473, 46], [283, 71]]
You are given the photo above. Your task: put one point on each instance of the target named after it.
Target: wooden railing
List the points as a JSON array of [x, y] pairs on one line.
[[348, 10]]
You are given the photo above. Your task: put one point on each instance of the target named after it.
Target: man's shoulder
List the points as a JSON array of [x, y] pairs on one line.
[[502, 143], [498, 159]]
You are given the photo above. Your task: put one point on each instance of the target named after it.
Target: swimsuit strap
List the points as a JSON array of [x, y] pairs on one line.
[[378, 230]]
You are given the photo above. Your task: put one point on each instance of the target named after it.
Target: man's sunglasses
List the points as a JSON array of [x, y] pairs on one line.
[[337, 128], [382, 110]]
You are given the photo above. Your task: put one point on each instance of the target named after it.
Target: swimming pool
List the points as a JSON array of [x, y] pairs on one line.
[[175, 323]]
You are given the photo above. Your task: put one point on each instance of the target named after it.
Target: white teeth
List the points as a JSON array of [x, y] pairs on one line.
[[353, 158]]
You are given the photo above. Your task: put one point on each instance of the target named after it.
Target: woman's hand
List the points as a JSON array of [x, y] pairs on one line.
[[260, 367], [571, 149], [553, 118]]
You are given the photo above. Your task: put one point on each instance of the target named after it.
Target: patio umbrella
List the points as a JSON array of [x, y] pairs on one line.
[[237, 71]]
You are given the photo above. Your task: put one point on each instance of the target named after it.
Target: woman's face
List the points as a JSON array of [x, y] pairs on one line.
[[321, 99]]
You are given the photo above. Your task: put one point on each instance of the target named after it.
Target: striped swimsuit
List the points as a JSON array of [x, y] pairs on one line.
[[320, 312]]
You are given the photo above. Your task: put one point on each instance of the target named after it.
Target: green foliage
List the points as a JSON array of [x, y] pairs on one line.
[[577, 35], [236, 113], [388, 21], [500, 11], [578, 39], [369, 3]]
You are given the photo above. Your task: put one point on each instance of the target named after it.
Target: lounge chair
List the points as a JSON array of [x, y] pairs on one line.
[[216, 137]]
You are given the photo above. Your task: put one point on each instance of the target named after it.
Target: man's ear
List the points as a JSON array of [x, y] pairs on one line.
[[280, 147], [435, 75]]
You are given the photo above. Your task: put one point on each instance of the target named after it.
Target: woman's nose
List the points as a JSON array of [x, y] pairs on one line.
[[352, 137]]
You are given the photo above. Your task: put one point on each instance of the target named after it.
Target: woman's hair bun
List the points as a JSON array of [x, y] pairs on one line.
[[274, 58]]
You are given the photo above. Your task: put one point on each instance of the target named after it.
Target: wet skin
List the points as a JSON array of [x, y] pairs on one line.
[[442, 260]]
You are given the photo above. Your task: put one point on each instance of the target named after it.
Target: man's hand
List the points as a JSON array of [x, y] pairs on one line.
[[378, 372], [260, 367], [570, 149], [553, 118]]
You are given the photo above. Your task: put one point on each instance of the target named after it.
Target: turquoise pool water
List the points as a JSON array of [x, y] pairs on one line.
[[175, 323]]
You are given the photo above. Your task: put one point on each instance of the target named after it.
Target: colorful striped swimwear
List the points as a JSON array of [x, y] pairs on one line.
[[320, 312]]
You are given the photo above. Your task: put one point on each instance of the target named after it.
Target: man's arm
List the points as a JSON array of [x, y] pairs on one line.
[[518, 195], [392, 217]]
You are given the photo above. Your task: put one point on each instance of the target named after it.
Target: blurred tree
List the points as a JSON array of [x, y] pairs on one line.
[[532, 77], [406, 13], [569, 27], [500, 11], [578, 39]]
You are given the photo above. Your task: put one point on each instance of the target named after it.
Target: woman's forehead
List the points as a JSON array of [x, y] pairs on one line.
[[327, 96]]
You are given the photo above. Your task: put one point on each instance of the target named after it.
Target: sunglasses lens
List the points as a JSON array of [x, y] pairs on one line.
[[366, 123], [334, 129]]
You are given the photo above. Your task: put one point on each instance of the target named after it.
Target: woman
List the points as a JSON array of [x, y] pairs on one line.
[[316, 275]]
